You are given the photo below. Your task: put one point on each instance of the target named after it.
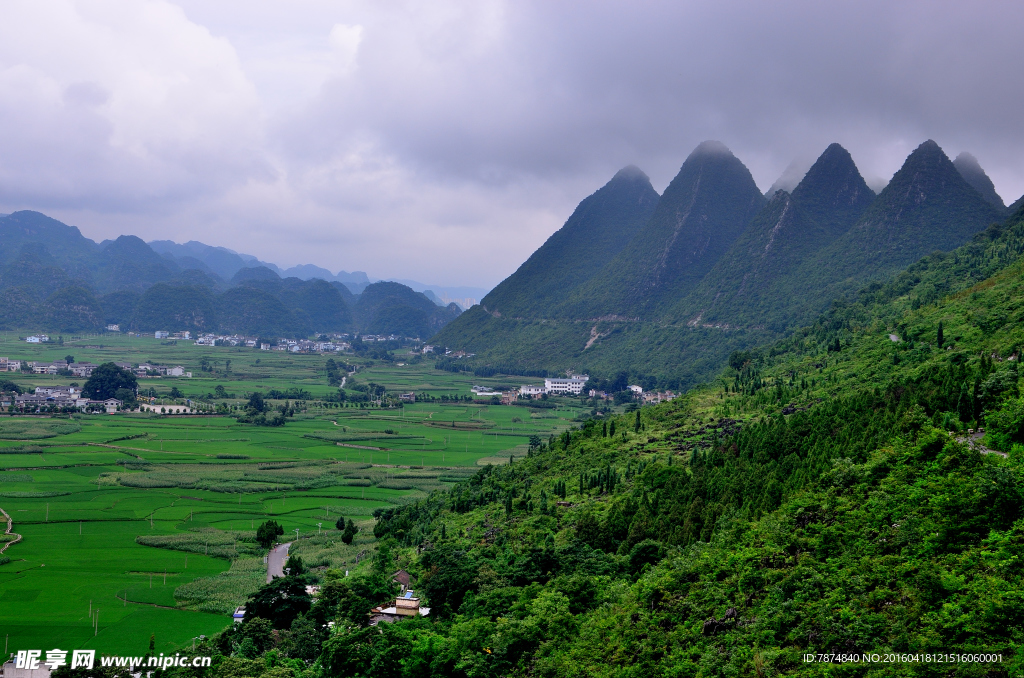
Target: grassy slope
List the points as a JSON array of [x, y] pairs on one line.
[[854, 524]]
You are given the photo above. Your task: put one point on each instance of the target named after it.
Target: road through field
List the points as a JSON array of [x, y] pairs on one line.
[[275, 561], [10, 526]]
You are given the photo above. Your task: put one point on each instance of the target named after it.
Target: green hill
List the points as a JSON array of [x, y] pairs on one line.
[[702, 212], [385, 307], [823, 498], [598, 229]]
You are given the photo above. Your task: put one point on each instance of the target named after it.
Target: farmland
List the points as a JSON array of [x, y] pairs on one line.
[[139, 524]]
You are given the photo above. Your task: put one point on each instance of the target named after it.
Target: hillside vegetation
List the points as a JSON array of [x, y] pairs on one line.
[[824, 495]]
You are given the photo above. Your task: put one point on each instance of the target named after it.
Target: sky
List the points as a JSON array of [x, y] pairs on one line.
[[445, 140]]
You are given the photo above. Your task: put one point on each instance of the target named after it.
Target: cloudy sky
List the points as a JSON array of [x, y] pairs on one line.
[[445, 140]]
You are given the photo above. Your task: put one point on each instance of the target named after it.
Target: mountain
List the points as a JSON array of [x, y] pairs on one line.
[[750, 283], [702, 212], [600, 227], [220, 260], [673, 317], [927, 206], [386, 307], [52, 277], [974, 175]]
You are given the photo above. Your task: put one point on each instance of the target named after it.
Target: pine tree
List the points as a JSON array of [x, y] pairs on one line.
[[938, 335]]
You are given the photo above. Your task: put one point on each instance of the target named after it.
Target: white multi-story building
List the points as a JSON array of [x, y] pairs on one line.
[[530, 391], [573, 384]]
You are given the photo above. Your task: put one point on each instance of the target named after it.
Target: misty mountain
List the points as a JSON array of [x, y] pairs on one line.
[[974, 175], [718, 269], [702, 212], [597, 231], [53, 278], [751, 283]]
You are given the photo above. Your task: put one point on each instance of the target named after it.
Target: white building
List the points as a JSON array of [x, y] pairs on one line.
[[573, 385], [113, 328], [37, 339], [531, 391], [636, 389], [161, 334], [176, 371]]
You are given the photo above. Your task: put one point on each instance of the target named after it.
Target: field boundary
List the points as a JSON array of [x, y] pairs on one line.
[[10, 526]]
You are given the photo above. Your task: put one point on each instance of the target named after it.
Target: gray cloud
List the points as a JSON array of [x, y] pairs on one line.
[[446, 140]]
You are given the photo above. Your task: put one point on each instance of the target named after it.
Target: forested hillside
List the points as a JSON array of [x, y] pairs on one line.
[[54, 279], [824, 495], [706, 276]]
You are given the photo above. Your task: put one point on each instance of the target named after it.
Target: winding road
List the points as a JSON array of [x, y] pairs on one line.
[[275, 561], [10, 526]]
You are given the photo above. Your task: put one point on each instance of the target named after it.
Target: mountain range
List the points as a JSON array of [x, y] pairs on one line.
[[712, 266], [54, 278]]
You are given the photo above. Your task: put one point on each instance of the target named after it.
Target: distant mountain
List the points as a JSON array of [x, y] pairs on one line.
[[53, 278], [225, 262], [702, 212], [386, 307], [596, 232], [974, 175], [750, 284]]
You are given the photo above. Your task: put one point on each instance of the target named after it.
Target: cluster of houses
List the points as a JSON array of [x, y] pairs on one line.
[[60, 397], [85, 369], [284, 345], [572, 385]]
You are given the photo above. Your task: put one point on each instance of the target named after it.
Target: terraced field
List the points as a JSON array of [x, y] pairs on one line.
[[147, 521]]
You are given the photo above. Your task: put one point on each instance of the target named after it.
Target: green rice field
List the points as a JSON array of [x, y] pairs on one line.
[[140, 524]]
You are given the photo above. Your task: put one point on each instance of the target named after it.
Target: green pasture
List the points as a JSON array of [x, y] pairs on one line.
[[150, 519]]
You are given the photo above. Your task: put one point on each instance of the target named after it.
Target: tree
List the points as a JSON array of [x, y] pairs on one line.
[[256, 403], [126, 396], [449, 574], [105, 381], [280, 601], [8, 385], [69, 359], [938, 335], [176, 393], [350, 532], [293, 567], [340, 523], [268, 532]]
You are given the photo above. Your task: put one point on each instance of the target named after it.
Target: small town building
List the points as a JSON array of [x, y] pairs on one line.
[[573, 385], [406, 606]]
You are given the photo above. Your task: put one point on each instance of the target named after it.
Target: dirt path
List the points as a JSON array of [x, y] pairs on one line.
[[10, 527]]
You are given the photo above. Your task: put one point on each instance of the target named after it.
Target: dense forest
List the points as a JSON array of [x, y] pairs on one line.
[[855, 487]]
